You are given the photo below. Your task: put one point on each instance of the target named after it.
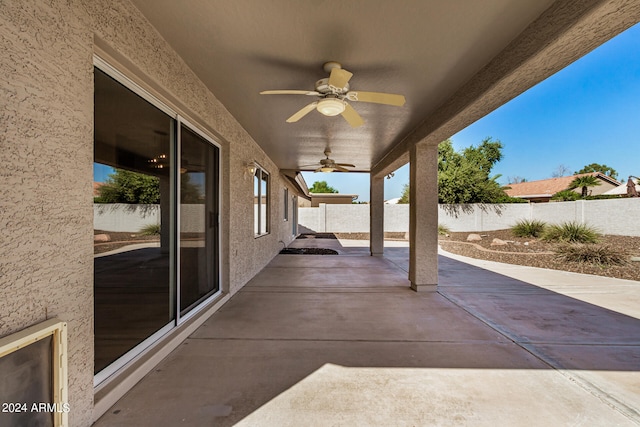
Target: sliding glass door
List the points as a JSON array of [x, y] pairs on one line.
[[156, 219]]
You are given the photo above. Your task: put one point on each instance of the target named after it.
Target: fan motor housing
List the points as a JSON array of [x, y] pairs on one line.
[[323, 87]]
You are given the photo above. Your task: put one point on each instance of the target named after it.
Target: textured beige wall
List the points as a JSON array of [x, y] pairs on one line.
[[46, 140]]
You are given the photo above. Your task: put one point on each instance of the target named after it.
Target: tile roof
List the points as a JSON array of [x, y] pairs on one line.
[[548, 187]]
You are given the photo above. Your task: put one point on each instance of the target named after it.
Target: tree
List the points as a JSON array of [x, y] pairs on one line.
[[596, 167], [191, 192], [404, 198], [322, 187], [584, 182], [560, 170], [516, 179], [465, 177], [124, 186]]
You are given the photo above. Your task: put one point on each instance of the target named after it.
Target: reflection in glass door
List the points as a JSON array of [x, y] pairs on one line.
[[199, 267], [132, 221], [156, 219]]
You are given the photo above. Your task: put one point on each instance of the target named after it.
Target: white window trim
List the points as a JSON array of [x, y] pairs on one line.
[[267, 230]]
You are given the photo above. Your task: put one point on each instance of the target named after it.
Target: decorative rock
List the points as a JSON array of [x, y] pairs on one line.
[[101, 238], [635, 259], [474, 238], [498, 242]]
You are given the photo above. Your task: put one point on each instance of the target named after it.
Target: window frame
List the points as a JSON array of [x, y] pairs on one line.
[[263, 177], [286, 204]]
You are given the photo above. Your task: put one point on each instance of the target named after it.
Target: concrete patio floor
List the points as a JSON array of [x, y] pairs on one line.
[[341, 340]]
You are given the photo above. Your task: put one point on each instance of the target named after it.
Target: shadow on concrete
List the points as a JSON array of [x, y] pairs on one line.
[[333, 339]]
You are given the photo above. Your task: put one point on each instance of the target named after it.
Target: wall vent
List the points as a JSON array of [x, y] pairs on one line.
[[33, 376]]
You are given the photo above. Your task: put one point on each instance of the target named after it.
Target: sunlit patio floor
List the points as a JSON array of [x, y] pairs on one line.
[[341, 340]]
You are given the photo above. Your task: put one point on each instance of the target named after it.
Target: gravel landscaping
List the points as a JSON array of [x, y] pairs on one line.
[[536, 253]]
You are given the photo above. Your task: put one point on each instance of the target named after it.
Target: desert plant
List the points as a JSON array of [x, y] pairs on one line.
[[150, 230], [565, 196], [600, 254], [570, 232], [443, 230], [528, 228]]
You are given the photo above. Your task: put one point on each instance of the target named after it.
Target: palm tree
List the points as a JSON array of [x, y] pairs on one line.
[[584, 182]]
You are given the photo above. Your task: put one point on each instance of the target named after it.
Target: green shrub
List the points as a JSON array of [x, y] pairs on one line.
[[570, 232], [565, 196], [600, 254], [443, 230], [150, 230], [528, 228]]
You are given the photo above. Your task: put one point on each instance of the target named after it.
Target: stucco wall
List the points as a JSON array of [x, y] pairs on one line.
[[46, 140], [612, 216]]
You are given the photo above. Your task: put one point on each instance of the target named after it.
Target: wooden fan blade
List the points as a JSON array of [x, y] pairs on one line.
[[349, 165], [339, 78], [289, 92], [341, 169], [352, 117], [303, 112], [378, 98]]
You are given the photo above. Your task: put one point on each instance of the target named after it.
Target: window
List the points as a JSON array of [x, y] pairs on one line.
[[261, 202], [294, 209], [286, 204]]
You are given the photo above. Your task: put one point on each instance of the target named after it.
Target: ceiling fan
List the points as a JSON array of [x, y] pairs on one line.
[[333, 94], [329, 165]]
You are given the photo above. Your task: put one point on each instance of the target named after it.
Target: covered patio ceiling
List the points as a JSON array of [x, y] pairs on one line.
[[454, 61]]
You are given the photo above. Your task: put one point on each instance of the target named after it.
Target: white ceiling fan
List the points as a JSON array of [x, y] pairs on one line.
[[333, 94], [329, 165]]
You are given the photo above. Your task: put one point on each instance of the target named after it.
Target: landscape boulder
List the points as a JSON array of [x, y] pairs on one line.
[[101, 238], [474, 238]]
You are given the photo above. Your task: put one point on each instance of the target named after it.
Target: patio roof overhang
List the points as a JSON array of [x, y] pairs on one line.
[[453, 61]]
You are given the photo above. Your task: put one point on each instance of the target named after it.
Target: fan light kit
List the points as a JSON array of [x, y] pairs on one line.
[[331, 106], [333, 94]]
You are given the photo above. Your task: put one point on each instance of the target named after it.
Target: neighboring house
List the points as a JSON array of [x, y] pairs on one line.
[[327, 198], [543, 190], [622, 188]]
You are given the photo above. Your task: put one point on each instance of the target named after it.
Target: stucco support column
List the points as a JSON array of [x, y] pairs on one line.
[[423, 217], [376, 215]]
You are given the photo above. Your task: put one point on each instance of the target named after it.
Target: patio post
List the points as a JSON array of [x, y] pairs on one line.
[[376, 215], [423, 217]]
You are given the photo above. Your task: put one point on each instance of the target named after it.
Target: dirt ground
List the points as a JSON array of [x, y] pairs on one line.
[[120, 239], [536, 253]]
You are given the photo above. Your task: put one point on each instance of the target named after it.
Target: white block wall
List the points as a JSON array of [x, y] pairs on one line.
[[611, 216]]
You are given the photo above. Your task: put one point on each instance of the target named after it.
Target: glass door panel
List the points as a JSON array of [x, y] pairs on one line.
[[132, 214], [198, 219]]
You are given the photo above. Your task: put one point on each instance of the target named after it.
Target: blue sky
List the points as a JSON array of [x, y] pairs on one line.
[[588, 112]]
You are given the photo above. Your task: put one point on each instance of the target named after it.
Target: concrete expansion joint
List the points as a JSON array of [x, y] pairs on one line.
[[569, 374]]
